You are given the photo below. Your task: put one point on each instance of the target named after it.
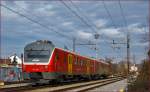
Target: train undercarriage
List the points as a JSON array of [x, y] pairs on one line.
[[39, 78]]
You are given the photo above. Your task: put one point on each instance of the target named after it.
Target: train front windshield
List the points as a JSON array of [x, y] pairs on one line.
[[38, 52], [37, 55]]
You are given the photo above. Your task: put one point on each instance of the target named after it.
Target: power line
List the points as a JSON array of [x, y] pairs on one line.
[[122, 13], [82, 19], [77, 15], [84, 16], [31, 13], [77, 8], [34, 21], [109, 14], [37, 16], [128, 38]]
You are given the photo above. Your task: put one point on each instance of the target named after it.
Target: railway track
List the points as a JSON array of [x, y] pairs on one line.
[[71, 86], [78, 87]]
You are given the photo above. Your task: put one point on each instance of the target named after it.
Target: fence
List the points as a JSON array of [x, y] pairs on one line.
[[10, 74]]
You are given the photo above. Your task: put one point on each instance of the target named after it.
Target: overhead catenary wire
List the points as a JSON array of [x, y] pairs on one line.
[[84, 15], [38, 17], [34, 21], [31, 13], [122, 13], [128, 38], [105, 7], [78, 16], [35, 15]]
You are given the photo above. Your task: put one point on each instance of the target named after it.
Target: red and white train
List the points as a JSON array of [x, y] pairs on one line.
[[44, 61]]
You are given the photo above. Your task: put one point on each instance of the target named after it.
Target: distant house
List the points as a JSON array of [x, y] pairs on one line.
[[9, 61], [5, 62]]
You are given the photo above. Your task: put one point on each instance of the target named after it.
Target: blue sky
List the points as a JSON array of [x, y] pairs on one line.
[[17, 31]]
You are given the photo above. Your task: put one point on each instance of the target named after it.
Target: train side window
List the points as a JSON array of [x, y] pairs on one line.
[[84, 62], [75, 61], [78, 61], [91, 64], [81, 63]]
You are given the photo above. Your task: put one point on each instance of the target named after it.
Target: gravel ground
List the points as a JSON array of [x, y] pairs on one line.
[[113, 87]]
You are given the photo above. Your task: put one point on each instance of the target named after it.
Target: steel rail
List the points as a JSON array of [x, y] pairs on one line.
[[72, 87], [56, 87]]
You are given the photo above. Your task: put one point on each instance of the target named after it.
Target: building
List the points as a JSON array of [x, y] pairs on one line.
[[4, 62]]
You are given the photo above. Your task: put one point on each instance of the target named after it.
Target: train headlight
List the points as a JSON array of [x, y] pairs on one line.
[[46, 67]]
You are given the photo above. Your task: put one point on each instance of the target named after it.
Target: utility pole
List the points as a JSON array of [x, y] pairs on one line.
[[128, 52], [75, 44], [96, 36]]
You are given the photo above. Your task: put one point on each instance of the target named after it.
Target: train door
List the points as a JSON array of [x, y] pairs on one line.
[[70, 60], [88, 66]]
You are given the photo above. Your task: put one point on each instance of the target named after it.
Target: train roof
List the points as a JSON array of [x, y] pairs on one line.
[[35, 43]]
